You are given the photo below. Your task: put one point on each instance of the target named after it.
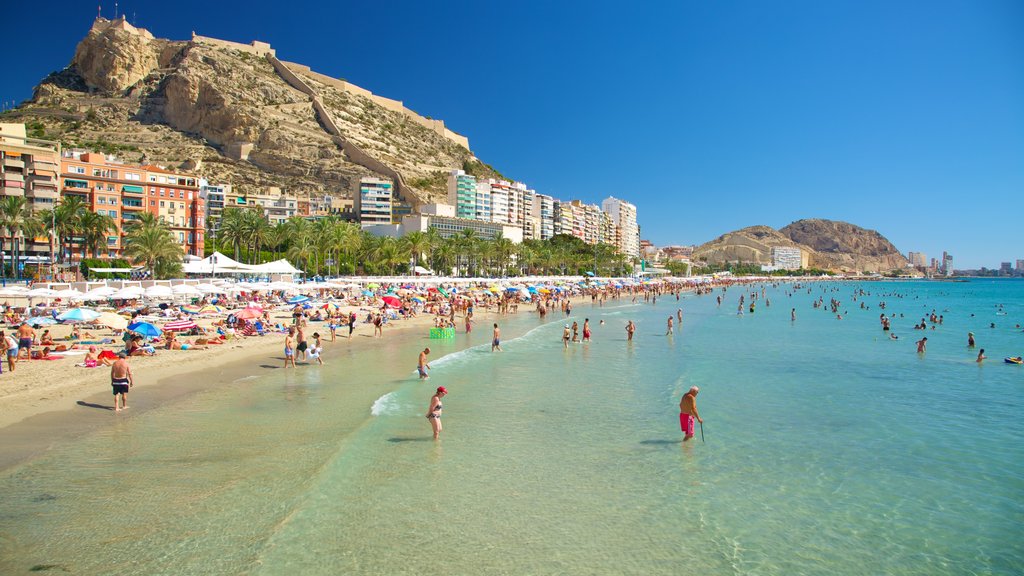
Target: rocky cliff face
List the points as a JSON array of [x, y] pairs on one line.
[[830, 245], [175, 102], [845, 246], [749, 245]]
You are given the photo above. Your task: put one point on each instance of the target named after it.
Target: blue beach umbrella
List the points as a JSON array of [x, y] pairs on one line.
[[37, 321], [78, 315], [299, 300], [144, 328], [367, 293]]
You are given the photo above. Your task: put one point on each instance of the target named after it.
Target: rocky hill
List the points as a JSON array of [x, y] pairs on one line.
[[233, 113], [829, 245], [844, 246], [751, 245]]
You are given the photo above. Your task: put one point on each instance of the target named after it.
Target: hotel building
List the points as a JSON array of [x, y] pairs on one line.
[[29, 169], [373, 201], [623, 214]]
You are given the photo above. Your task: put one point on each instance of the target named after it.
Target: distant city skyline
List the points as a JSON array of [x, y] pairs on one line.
[[903, 118]]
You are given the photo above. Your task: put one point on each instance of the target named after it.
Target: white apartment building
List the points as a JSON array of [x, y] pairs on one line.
[[373, 201], [787, 257], [215, 196], [623, 214]]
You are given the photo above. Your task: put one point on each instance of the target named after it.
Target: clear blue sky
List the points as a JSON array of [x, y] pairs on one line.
[[710, 115]]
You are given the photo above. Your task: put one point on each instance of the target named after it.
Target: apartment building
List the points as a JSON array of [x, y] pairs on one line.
[[462, 194], [124, 191], [789, 258], [29, 169], [373, 201], [624, 215], [214, 196]]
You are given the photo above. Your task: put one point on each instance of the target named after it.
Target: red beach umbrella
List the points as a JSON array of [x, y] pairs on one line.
[[179, 326], [392, 301], [248, 313]]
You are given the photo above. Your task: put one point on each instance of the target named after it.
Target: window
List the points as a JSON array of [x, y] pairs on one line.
[[113, 213], [111, 240], [76, 169], [161, 192], [181, 194], [181, 206], [181, 237], [152, 178], [152, 202], [131, 176]]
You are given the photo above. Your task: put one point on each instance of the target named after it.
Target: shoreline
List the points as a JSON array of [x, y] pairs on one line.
[[31, 425]]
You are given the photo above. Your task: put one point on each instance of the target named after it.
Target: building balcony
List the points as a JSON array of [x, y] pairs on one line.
[[13, 177], [44, 193], [14, 163], [12, 191], [125, 205]]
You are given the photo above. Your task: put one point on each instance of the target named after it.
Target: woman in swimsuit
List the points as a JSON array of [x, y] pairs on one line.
[[434, 411]]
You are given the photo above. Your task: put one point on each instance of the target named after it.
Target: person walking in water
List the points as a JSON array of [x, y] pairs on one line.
[[496, 339], [422, 365], [630, 329], [121, 380], [434, 410], [688, 412], [792, 315], [670, 323], [586, 329], [922, 344], [981, 356]]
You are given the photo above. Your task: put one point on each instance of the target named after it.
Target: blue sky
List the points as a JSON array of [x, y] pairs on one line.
[[904, 117]]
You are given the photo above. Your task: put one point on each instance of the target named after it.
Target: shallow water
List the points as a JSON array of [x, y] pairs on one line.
[[828, 447]]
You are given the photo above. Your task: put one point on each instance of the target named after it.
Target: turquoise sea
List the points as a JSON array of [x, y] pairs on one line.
[[828, 448]]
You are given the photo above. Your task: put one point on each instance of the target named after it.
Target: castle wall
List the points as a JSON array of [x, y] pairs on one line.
[[256, 48], [436, 126]]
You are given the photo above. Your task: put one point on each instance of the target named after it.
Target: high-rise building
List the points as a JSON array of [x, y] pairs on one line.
[[917, 259], [29, 169], [787, 257], [214, 196], [623, 214], [1006, 268], [947, 263], [462, 194], [373, 201], [1020, 265], [124, 191]]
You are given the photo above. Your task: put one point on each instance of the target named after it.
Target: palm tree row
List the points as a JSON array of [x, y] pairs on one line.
[[330, 246], [70, 222]]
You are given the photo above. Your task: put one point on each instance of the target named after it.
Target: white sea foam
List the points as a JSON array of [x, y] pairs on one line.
[[385, 405]]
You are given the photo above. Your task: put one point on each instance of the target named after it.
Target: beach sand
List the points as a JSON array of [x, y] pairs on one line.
[[47, 401]]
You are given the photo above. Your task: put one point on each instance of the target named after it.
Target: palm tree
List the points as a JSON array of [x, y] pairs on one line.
[[12, 213], [232, 229], [94, 228], [466, 244], [419, 244], [154, 246], [64, 221]]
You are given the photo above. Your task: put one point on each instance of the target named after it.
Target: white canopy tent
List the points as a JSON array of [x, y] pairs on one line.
[[219, 263]]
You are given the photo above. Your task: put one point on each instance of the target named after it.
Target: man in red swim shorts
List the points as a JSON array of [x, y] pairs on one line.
[[688, 412]]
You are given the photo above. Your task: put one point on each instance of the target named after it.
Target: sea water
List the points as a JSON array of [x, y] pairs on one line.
[[827, 447]]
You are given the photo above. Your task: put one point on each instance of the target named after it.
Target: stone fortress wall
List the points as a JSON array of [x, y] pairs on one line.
[[436, 126], [256, 48]]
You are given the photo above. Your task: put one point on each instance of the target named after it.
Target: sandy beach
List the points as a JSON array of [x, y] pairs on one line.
[[47, 401]]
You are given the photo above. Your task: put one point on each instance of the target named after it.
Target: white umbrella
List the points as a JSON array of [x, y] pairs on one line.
[[10, 291], [101, 293], [185, 290], [159, 291], [129, 293], [69, 293], [209, 289], [41, 293]]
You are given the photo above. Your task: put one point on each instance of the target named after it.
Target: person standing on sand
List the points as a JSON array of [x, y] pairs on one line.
[[688, 412], [378, 326], [351, 323], [434, 410], [121, 380], [10, 345], [26, 335], [422, 365], [921, 344], [300, 338], [630, 329], [496, 339], [289, 348]]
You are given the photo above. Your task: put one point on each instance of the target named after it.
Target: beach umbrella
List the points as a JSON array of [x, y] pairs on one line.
[[179, 326], [37, 321], [190, 309], [392, 301], [417, 299], [115, 321], [69, 293], [443, 293], [185, 290], [158, 291], [208, 289], [212, 309], [144, 328], [41, 293], [373, 285], [298, 300], [78, 315], [248, 313], [367, 293]]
